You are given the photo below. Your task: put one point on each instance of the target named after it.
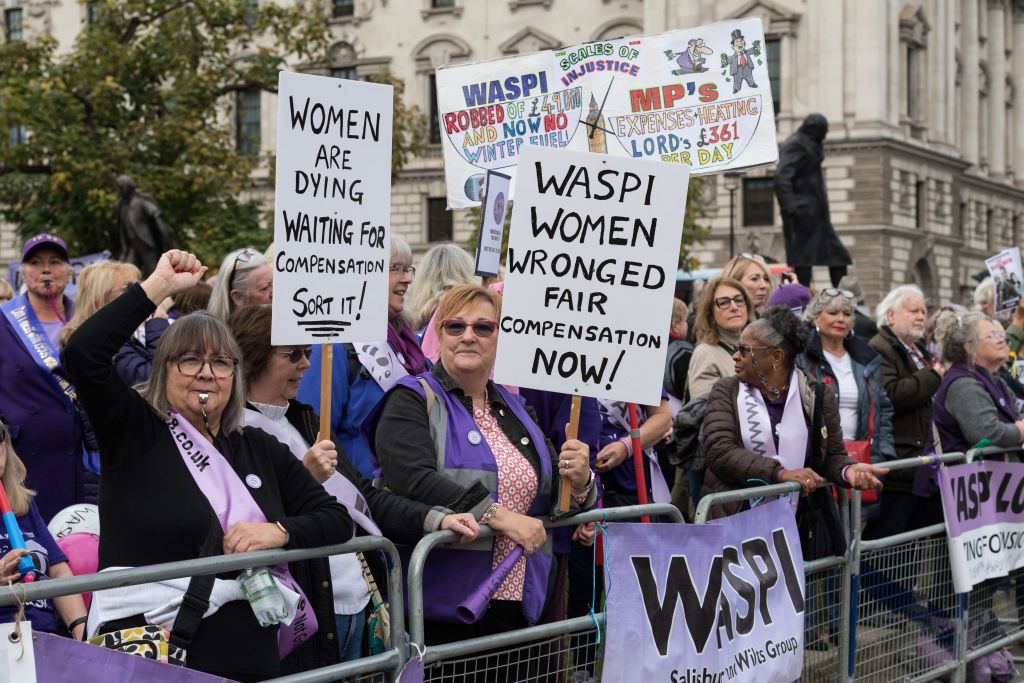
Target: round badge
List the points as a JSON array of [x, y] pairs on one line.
[[253, 481], [1002, 402], [474, 437], [499, 208]]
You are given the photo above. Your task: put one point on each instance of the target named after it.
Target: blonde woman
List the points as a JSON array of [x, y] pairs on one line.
[[46, 555], [98, 284], [6, 292], [751, 271]]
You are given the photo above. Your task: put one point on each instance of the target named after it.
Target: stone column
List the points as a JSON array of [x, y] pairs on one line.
[[997, 88], [1018, 92], [969, 124]]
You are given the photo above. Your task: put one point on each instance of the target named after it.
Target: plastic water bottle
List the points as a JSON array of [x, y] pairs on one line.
[[264, 595]]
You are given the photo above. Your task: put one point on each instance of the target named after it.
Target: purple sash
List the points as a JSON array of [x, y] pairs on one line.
[[232, 502], [337, 485]]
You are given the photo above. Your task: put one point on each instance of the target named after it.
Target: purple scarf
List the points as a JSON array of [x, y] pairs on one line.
[[403, 341]]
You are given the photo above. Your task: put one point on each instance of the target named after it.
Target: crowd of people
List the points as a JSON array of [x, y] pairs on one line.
[[160, 397]]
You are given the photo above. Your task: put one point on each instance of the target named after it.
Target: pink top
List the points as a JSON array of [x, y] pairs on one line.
[[517, 487]]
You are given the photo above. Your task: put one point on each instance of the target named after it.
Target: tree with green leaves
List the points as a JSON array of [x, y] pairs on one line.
[[150, 89]]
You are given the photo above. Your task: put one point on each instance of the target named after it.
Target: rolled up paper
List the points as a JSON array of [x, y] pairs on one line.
[[470, 609], [26, 566]]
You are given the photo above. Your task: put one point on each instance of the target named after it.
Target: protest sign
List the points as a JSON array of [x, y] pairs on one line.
[[984, 507], [593, 246], [332, 210], [699, 97], [492, 223], [77, 264], [1007, 279], [706, 603]]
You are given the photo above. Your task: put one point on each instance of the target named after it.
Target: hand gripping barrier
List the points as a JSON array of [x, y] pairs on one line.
[[518, 653], [390, 661]]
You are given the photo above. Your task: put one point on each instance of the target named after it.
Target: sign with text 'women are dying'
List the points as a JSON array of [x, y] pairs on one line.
[[332, 210], [590, 274]]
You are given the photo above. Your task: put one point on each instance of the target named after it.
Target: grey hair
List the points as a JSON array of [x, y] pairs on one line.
[[984, 294], [401, 252], [895, 300], [442, 268], [824, 302], [201, 332], [234, 274], [958, 333]]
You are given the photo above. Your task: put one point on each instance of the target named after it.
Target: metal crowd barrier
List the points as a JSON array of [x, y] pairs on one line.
[[827, 590], [388, 662], [521, 654]]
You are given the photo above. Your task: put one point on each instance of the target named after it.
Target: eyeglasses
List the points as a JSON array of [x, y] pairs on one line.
[[845, 293], [745, 350], [994, 335], [722, 302], [396, 269], [295, 355], [191, 364], [243, 256], [457, 328]]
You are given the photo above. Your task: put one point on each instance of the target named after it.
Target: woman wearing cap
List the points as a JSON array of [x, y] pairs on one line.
[[39, 399]]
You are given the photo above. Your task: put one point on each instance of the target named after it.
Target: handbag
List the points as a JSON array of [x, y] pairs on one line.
[[817, 517], [378, 622], [153, 641], [861, 451]]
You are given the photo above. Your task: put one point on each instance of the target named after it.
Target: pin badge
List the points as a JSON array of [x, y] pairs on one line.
[[474, 437], [253, 481]]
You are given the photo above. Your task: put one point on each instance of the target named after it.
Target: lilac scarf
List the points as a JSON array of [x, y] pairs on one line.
[[403, 341]]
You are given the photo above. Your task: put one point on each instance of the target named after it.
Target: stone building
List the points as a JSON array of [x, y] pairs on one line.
[[925, 155]]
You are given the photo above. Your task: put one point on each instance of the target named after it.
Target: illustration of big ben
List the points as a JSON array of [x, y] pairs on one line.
[[595, 128]]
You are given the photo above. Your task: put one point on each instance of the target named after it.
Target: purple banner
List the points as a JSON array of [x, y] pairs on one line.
[[62, 660], [706, 603], [983, 504]]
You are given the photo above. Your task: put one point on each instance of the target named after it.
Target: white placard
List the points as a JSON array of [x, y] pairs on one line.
[[698, 97], [1007, 279], [332, 210], [590, 274], [17, 654], [492, 223]]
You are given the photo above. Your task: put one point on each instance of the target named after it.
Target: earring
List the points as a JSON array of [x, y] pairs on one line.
[[817, 329]]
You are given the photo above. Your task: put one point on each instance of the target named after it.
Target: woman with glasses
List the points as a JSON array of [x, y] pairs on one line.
[[245, 277], [972, 402], [453, 438], [361, 373], [751, 271], [771, 424], [336, 587], [182, 479]]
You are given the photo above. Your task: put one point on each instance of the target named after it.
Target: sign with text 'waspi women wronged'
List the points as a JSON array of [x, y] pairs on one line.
[[590, 274], [332, 210]]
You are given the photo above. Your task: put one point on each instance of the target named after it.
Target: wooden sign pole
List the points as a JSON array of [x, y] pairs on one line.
[[571, 431], [326, 363]]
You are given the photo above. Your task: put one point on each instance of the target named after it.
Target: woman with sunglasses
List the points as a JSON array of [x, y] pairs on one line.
[[245, 277], [183, 478], [489, 459], [851, 369], [335, 586], [362, 373], [770, 424]]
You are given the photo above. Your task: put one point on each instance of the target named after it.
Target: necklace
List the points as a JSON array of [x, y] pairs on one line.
[[770, 388]]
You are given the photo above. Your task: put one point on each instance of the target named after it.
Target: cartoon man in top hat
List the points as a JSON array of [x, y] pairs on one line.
[[741, 63]]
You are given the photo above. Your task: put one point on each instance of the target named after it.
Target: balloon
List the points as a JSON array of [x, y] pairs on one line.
[[84, 517], [83, 553]]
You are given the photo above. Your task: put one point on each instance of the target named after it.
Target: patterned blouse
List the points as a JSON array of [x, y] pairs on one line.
[[517, 487]]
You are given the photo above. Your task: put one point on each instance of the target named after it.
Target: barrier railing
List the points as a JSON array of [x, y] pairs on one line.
[[390, 661], [544, 642]]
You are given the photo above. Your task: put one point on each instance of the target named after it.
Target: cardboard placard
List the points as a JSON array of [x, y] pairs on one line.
[[492, 223]]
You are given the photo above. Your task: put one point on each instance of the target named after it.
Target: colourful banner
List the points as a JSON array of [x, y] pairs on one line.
[[984, 507], [699, 97], [706, 603]]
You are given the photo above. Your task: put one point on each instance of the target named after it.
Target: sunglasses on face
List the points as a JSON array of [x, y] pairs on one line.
[[722, 302], [745, 350], [296, 355], [457, 328]]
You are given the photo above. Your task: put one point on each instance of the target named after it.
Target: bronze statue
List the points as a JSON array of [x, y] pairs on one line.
[[800, 188], [143, 237]]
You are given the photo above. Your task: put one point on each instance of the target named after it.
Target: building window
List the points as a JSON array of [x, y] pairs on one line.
[[13, 26], [436, 4], [962, 223], [343, 8], [16, 136], [247, 122], [435, 126], [758, 201], [439, 220], [346, 72], [93, 12], [920, 204], [772, 48], [252, 13]]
